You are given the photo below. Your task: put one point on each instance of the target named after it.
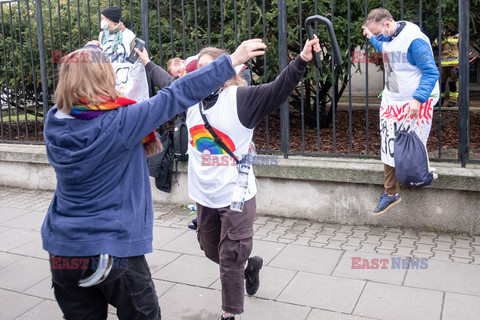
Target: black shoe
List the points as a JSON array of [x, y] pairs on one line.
[[252, 280], [193, 226], [451, 104], [229, 318]]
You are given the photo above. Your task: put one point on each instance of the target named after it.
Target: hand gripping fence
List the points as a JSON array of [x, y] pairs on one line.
[[337, 56]]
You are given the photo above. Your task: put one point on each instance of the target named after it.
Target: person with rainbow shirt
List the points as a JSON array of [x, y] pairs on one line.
[[233, 110]]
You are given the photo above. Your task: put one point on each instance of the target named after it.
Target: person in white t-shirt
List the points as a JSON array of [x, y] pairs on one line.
[[233, 111]]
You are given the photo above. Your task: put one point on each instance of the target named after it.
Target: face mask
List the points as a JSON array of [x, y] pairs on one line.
[[104, 24], [384, 38]]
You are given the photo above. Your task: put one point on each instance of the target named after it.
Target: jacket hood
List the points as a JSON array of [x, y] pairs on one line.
[[75, 148]]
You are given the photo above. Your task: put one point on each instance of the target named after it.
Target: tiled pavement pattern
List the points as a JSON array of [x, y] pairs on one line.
[[307, 272]]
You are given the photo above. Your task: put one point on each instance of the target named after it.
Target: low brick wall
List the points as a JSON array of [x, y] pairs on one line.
[[328, 189]]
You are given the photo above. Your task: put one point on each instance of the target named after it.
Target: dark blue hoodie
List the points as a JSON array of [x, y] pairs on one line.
[[102, 202]]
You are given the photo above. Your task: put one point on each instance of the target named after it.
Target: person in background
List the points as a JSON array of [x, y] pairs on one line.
[[177, 67], [233, 111], [102, 205], [411, 89], [244, 72], [117, 42]]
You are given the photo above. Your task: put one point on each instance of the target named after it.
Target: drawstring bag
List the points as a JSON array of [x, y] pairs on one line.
[[412, 167]]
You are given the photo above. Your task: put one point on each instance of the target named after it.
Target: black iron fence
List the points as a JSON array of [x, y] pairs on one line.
[[333, 111]]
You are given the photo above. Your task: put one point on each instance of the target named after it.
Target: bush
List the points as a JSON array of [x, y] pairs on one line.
[[182, 31]]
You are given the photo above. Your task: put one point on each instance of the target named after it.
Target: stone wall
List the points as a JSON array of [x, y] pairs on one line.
[[335, 190]]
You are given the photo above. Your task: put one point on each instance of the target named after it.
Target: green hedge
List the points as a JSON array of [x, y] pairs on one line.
[[69, 24]]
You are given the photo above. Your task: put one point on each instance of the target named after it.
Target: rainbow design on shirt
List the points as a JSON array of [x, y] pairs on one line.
[[203, 141]]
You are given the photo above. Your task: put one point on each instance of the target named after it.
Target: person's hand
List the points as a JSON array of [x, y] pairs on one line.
[[247, 50], [366, 32], [143, 55], [310, 45], [413, 107]]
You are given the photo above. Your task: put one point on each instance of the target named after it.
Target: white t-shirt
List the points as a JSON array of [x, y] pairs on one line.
[[212, 173]]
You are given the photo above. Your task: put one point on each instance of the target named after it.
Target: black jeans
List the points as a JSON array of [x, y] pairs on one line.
[[128, 287]]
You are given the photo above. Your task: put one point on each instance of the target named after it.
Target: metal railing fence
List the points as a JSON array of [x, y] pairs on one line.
[[322, 117]]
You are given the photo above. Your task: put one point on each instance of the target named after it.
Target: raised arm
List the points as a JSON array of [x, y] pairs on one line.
[[143, 117], [376, 44], [256, 102]]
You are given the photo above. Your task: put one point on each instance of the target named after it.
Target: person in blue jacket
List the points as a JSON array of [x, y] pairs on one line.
[[100, 220], [411, 89]]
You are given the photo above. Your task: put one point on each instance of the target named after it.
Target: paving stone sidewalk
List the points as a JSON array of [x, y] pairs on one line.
[[312, 270]]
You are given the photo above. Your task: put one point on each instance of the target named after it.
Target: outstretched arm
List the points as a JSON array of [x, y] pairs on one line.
[[161, 78], [256, 102], [141, 118]]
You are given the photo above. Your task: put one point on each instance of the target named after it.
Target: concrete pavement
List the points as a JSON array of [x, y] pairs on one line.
[[312, 270]]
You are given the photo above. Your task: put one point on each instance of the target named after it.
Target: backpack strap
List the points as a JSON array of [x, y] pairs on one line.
[[215, 135]]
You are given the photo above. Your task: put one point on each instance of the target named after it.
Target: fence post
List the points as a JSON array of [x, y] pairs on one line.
[[145, 32], [282, 63], [146, 37], [464, 83], [41, 53]]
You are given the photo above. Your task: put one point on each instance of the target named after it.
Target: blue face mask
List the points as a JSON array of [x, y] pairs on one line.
[[384, 38]]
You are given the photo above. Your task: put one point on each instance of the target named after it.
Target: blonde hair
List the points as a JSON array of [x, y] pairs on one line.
[[378, 15], [236, 80], [86, 76], [173, 63]]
